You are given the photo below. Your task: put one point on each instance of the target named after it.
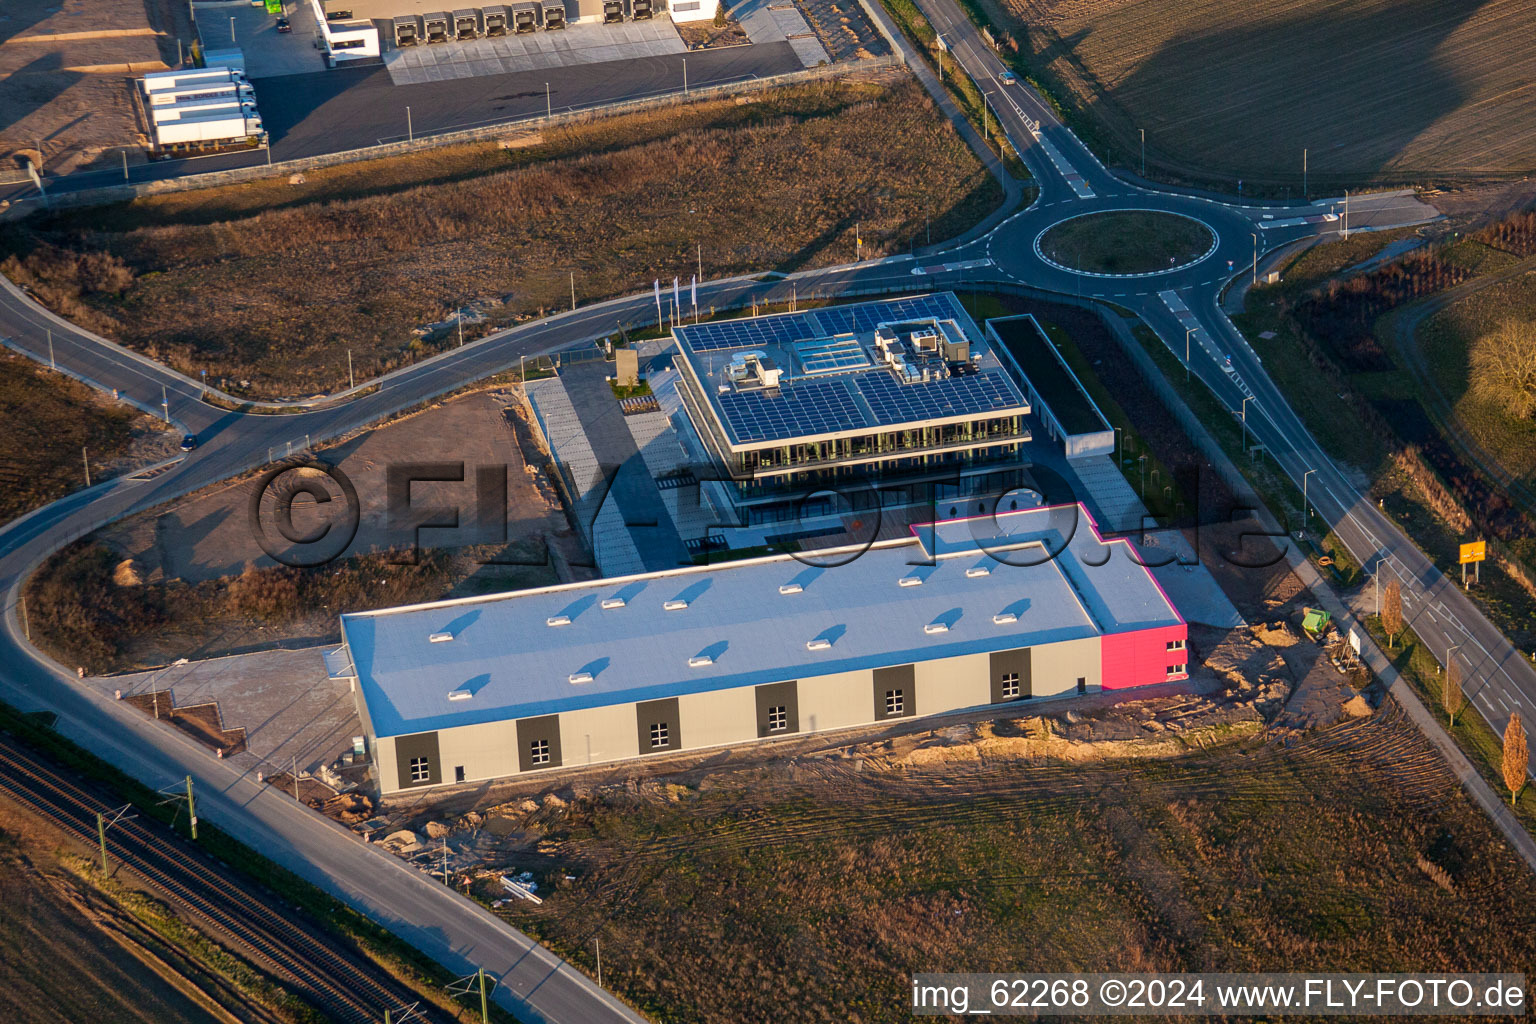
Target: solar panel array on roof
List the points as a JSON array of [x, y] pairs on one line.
[[829, 355], [894, 402], [867, 316], [755, 333], [810, 407]]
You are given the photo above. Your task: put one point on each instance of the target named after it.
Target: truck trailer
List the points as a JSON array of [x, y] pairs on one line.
[[613, 12], [209, 131], [170, 97], [554, 15], [641, 10], [198, 108], [160, 81], [497, 18]]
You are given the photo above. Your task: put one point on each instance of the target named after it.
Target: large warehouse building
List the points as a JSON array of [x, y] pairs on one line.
[[965, 614]]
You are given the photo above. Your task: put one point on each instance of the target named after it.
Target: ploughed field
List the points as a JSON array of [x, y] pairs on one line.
[[812, 891], [274, 282], [1393, 91]]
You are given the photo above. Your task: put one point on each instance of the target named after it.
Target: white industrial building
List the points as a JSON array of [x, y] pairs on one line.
[[965, 614], [346, 40]]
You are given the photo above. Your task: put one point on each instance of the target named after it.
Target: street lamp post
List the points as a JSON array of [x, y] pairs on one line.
[[1246, 400], [1449, 651], [1304, 195], [1143, 151], [1188, 331], [1306, 506], [231, 30], [410, 133], [1256, 257], [685, 76]]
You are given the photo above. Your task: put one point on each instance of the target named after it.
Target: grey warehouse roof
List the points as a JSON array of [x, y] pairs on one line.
[[949, 591], [829, 383]]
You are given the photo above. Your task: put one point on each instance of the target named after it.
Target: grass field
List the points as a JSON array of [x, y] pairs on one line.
[[48, 419], [1377, 90], [1343, 409], [274, 284], [817, 890], [1446, 338], [1132, 242]]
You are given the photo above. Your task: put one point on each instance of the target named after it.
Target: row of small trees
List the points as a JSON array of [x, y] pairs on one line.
[[1517, 755]]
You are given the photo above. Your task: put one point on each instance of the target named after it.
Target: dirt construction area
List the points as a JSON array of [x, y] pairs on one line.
[[67, 67], [211, 534]]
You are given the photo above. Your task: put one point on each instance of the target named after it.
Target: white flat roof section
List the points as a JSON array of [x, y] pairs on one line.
[[699, 629]]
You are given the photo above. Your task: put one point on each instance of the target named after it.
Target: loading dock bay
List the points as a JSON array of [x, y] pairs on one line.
[[534, 51]]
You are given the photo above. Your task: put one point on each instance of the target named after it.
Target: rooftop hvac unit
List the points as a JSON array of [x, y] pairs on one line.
[[674, 605], [611, 603], [525, 17], [554, 16], [700, 661], [459, 694], [581, 677], [910, 581], [641, 10], [497, 19], [819, 644], [407, 30], [977, 570], [791, 588], [435, 27], [466, 23], [439, 638], [935, 627], [558, 620], [1004, 618], [613, 11]]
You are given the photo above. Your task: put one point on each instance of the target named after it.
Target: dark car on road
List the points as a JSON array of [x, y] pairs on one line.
[[283, 25], [189, 442]]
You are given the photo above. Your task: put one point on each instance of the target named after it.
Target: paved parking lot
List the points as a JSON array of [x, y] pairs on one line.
[[290, 709], [576, 44], [335, 110], [268, 52]]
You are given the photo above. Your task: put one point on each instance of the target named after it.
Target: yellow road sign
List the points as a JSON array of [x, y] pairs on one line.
[[1477, 551]]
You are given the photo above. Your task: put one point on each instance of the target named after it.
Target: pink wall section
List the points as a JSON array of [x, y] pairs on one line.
[[1142, 657]]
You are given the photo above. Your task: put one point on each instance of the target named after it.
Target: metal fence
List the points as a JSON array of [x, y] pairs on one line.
[[288, 449]]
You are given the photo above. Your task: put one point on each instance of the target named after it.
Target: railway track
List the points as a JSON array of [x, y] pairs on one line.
[[332, 979]]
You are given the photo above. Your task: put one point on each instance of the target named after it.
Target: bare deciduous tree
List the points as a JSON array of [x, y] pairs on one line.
[[1452, 697], [1392, 611], [1517, 757], [1504, 367]]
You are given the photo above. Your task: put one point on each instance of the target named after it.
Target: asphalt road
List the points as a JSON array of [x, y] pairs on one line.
[[1178, 304], [1183, 306]]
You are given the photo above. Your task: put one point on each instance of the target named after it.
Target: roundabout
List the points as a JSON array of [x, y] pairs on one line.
[[1129, 243]]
